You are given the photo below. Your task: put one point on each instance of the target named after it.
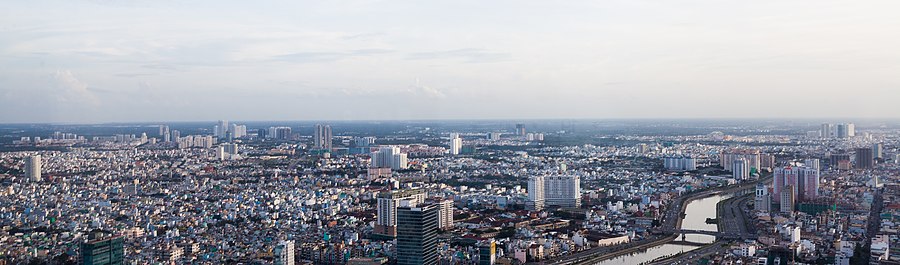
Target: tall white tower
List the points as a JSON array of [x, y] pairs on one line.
[[535, 193], [33, 167]]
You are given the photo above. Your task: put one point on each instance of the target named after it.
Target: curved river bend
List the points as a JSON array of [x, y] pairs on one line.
[[695, 219]]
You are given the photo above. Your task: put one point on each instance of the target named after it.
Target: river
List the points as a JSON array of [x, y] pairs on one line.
[[695, 219]]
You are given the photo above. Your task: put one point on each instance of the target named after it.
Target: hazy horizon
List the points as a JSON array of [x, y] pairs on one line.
[[157, 61]]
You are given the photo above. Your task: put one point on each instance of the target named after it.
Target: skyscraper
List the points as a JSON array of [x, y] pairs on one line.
[[322, 137], [865, 158], [104, 251], [787, 198], [33, 167], [562, 190], [417, 228], [535, 193], [389, 157]]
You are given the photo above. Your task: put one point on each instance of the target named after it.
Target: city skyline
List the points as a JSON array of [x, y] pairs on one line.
[[111, 61]]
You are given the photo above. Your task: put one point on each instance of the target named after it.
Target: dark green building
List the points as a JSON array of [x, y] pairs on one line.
[[417, 229], [105, 251]]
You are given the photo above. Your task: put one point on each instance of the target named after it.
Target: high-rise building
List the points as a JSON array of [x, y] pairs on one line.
[[803, 180], [726, 158], [399, 161], [827, 130], [238, 131], [680, 163], [322, 137], [878, 150], [284, 253], [865, 158], [813, 163], [279, 133], [221, 129], [417, 228], [455, 144], [103, 251], [493, 136], [365, 141], [445, 218], [487, 252], [787, 199], [33, 167], [520, 129], [835, 159], [845, 130], [762, 202], [386, 221], [740, 169], [562, 190], [535, 193], [389, 157]]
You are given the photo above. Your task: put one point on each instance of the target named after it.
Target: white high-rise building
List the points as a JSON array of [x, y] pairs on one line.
[[322, 137], [399, 161], [535, 193], [33, 167], [389, 157], [284, 253], [827, 130], [562, 190], [740, 169], [812, 163], [386, 220], [455, 144], [238, 131], [763, 202], [221, 129], [445, 215]]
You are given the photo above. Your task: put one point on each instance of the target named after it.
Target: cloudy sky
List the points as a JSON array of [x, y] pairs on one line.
[[106, 61]]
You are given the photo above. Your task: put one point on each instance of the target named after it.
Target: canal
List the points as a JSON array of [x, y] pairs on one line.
[[695, 219]]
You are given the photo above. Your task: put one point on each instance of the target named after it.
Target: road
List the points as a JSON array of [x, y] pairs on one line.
[[671, 222]]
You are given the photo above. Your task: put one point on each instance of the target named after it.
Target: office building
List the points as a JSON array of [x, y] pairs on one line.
[[535, 193], [386, 219], [33, 167], [284, 253], [865, 158], [322, 137], [455, 144], [562, 190], [740, 169], [103, 251], [417, 228]]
